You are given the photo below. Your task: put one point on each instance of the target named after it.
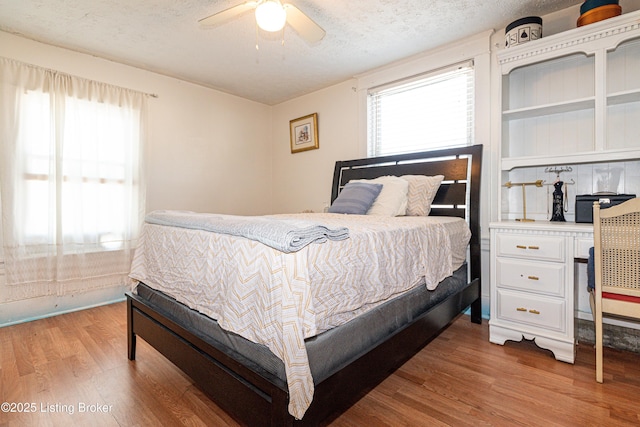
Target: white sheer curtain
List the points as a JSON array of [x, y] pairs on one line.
[[71, 185]]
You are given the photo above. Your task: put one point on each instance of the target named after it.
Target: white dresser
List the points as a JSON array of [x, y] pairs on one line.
[[532, 283]]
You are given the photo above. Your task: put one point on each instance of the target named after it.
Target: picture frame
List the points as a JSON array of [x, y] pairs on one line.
[[303, 133]]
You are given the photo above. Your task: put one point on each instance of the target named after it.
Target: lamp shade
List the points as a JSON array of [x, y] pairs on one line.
[[271, 16]]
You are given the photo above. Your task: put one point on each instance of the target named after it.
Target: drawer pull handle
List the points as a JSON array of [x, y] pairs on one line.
[[533, 278], [534, 312], [521, 309], [528, 247]]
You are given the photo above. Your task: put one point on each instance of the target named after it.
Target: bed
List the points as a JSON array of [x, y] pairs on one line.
[[247, 380]]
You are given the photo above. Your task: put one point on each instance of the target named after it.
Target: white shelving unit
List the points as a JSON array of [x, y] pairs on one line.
[[571, 99]]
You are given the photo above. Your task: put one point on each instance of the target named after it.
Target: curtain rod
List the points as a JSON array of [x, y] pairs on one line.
[[62, 73]]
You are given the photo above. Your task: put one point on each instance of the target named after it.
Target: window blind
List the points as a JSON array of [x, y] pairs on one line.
[[422, 112]]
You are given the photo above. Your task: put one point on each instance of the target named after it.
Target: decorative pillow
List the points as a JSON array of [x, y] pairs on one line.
[[355, 198], [392, 200], [422, 190]]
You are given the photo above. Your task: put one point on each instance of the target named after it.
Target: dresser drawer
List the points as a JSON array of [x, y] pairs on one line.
[[537, 311], [547, 248], [539, 277], [582, 246]]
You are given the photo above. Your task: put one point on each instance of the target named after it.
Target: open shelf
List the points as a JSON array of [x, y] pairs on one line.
[[548, 109], [623, 97]]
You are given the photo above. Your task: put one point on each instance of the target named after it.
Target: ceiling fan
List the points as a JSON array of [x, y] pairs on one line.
[[271, 15]]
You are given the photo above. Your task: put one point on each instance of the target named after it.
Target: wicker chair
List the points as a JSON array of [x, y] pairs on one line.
[[617, 266]]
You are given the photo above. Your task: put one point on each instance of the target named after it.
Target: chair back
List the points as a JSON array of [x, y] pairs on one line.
[[617, 247], [616, 235]]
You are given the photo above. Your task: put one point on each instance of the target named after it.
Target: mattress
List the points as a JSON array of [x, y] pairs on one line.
[[280, 299], [329, 351]]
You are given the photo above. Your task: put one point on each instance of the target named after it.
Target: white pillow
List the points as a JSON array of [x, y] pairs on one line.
[[422, 190], [392, 200]]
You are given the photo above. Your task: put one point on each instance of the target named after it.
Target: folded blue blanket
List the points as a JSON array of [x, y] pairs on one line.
[[284, 234]]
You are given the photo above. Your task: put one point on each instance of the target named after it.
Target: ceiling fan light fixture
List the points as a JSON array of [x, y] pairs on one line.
[[271, 16]]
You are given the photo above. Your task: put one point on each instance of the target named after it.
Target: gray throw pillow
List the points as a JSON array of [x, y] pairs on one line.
[[356, 198]]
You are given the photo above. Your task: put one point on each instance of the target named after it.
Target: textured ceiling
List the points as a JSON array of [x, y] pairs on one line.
[[164, 36]]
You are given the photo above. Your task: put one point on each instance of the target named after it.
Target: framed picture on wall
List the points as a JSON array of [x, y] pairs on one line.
[[304, 133]]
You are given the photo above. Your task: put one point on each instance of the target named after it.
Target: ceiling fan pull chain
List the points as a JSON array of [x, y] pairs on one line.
[[257, 46]]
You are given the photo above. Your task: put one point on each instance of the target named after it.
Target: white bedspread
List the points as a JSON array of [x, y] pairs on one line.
[[279, 299]]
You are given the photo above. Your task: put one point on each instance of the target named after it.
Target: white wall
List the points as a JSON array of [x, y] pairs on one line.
[[302, 180], [207, 151]]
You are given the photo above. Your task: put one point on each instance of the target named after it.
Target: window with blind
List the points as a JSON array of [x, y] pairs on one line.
[[423, 112]]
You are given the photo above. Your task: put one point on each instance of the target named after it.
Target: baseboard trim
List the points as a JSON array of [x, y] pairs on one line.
[[14, 312]]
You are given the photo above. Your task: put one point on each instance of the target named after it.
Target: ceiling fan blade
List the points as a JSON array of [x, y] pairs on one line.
[[308, 30], [228, 14]]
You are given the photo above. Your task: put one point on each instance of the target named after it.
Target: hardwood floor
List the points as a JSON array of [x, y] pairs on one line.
[[72, 370]]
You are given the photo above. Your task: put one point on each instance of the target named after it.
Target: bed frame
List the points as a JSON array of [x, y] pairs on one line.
[[255, 397]]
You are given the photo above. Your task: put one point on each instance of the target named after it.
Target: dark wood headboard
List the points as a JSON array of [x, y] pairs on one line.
[[459, 194], [460, 166]]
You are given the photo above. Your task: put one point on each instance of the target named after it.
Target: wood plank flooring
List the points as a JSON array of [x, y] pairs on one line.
[[72, 370]]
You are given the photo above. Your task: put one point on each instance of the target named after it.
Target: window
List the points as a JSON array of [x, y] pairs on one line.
[[75, 189], [428, 111], [71, 181]]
